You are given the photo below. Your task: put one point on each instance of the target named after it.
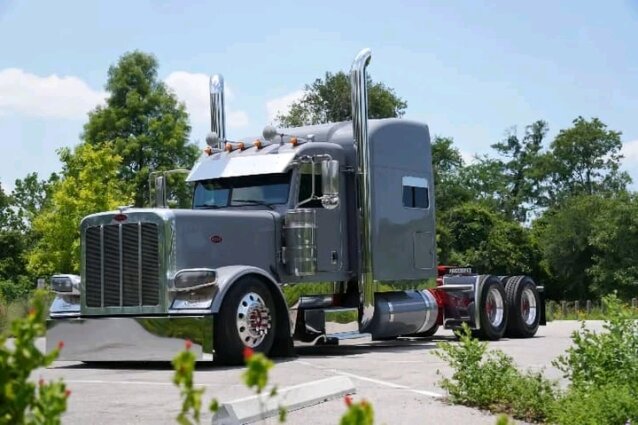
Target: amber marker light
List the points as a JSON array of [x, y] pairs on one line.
[[241, 146], [257, 144], [228, 147], [294, 141], [208, 150]]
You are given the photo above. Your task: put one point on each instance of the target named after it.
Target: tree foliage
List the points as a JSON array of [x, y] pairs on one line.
[[89, 184], [585, 160], [488, 240], [614, 240], [12, 243], [143, 121], [522, 170], [328, 100]]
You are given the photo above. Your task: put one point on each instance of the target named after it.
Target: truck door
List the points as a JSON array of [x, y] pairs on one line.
[[328, 221]]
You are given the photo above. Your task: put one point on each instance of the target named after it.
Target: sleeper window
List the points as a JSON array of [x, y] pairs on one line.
[[415, 192]]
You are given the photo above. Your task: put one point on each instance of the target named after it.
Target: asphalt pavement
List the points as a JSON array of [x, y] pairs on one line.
[[399, 378]]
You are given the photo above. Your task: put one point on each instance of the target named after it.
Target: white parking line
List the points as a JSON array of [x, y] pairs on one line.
[[376, 381]]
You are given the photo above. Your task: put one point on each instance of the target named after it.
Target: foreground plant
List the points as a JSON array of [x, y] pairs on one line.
[[603, 371], [21, 400], [255, 377], [490, 380], [360, 413], [184, 365]]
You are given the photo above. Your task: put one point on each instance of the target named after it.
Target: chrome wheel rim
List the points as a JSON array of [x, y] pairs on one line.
[[494, 307], [528, 306], [253, 320]]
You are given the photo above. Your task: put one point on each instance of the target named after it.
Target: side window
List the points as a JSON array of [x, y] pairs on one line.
[[305, 188], [416, 193]]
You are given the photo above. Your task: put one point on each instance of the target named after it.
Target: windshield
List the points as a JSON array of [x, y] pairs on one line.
[[264, 189]]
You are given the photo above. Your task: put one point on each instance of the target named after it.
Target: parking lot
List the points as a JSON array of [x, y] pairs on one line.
[[399, 378]]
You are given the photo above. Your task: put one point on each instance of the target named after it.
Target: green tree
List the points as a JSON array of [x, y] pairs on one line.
[[522, 169], [328, 100], [144, 121], [584, 160], [490, 241], [447, 166], [12, 244], [89, 184], [563, 235], [486, 181], [614, 240], [449, 190], [30, 195]]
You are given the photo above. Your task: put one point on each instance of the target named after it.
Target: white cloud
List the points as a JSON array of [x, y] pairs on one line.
[[71, 98], [192, 89], [630, 151], [281, 105], [51, 97]]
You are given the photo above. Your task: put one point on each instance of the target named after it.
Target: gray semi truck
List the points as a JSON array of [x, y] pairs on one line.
[[299, 236]]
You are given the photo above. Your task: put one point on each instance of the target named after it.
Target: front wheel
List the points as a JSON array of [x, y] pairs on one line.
[[246, 319], [492, 308]]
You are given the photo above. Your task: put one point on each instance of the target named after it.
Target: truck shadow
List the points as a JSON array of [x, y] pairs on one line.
[[392, 346]]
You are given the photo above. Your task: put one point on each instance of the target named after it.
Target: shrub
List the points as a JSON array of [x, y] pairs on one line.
[[19, 288], [609, 404], [596, 359], [490, 380]]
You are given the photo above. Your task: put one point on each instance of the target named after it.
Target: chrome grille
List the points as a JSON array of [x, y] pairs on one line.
[[122, 265]]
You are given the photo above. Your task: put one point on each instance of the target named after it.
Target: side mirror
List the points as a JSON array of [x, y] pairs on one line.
[[330, 184], [160, 191]]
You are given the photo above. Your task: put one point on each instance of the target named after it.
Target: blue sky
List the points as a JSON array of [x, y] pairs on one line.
[[469, 69]]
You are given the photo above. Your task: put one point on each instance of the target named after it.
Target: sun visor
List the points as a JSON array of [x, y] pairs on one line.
[[224, 165]]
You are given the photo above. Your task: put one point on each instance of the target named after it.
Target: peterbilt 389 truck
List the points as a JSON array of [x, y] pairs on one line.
[[301, 235]]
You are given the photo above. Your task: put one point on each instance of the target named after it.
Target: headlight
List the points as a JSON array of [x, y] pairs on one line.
[[194, 278], [66, 284]]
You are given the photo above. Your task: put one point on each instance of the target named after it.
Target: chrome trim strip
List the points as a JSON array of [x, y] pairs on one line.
[[119, 247], [102, 264], [456, 287], [139, 262]]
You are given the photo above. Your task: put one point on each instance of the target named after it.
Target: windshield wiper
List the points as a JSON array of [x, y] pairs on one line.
[[254, 202]]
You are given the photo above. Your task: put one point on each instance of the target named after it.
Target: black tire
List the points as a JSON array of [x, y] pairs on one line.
[[246, 298], [493, 322], [524, 304]]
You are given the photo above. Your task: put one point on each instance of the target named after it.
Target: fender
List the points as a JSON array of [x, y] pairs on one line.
[[228, 275]]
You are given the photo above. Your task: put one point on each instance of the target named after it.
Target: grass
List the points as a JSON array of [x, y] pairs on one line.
[[596, 312], [18, 309]]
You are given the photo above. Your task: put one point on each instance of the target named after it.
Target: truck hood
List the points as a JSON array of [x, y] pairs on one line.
[[205, 238]]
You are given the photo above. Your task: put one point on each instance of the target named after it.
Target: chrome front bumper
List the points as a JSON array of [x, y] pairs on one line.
[[130, 338]]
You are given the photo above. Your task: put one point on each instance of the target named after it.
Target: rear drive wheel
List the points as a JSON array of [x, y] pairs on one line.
[[246, 318], [524, 306], [492, 308]]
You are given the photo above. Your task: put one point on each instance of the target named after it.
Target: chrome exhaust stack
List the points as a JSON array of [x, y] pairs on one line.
[[217, 108], [359, 94]]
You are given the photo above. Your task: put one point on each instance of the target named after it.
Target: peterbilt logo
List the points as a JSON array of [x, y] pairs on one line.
[[215, 239]]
